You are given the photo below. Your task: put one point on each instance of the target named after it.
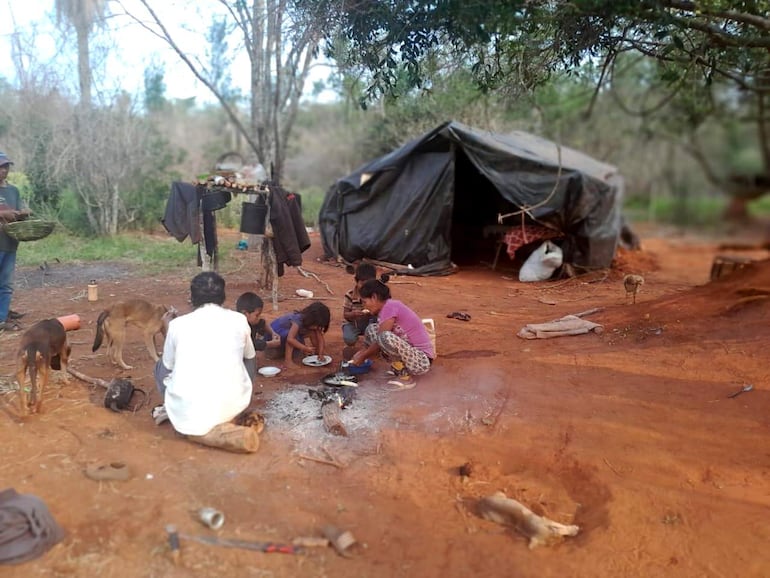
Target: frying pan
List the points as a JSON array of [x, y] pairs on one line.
[[340, 379]]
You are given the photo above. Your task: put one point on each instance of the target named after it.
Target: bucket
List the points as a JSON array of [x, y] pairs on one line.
[[253, 217], [70, 322], [430, 327]]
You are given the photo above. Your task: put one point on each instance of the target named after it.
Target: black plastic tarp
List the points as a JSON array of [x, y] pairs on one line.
[[420, 204]]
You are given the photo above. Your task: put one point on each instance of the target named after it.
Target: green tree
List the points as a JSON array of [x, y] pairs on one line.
[[155, 88], [702, 51], [280, 48], [82, 15]]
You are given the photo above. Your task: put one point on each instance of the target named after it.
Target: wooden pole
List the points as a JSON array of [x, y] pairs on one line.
[[273, 274]]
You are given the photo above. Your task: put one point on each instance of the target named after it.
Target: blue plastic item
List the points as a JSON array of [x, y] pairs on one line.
[[358, 369]]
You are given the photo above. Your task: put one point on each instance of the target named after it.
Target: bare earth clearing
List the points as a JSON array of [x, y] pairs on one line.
[[628, 434]]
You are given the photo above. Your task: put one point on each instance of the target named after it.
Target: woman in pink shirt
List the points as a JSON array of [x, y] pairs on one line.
[[398, 333]]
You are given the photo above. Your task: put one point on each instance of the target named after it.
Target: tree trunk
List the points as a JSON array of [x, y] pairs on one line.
[[737, 210], [84, 67]]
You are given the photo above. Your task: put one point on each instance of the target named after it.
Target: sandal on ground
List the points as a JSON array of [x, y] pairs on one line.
[[113, 471], [15, 315], [459, 315], [401, 384], [9, 326]]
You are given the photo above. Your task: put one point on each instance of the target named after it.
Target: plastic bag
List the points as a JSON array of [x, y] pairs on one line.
[[541, 264]]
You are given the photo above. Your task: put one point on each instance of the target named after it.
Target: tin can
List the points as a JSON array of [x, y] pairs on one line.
[[93, 291], [211, 518]]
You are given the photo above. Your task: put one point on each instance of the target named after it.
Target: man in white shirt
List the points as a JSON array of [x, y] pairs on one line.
[[206, 373]]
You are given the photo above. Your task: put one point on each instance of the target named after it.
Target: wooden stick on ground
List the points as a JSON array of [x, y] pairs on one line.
[[87, 379], [320, 461], [330, 411]]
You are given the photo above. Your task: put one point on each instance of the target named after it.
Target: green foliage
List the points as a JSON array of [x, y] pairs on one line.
[[154, 88], [312, 198], [71, 215], [701, 212], [151, 253], [760, 207]]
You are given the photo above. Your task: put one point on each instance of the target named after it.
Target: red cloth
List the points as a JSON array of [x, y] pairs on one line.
[[525, 234]]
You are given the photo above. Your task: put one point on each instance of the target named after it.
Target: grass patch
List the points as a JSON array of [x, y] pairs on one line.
[[149, 253]]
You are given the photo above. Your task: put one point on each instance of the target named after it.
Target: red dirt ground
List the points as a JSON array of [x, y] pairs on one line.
[[628, 434]]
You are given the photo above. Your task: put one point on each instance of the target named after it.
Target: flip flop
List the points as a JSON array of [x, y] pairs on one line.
[[401, 386], [460, 316], [113, 471], [9, 326]]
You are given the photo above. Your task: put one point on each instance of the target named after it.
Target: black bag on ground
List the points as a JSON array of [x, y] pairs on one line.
[[119, 394]]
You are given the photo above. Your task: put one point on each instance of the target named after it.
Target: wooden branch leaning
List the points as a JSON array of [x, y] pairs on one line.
[[317, 278]]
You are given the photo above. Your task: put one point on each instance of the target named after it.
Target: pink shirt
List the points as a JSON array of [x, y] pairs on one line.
[[407, 326]]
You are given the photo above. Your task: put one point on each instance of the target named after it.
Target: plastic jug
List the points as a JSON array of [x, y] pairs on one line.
[[430, 326]]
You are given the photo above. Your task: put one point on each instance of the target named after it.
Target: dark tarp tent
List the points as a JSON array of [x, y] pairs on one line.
[[431, 203]]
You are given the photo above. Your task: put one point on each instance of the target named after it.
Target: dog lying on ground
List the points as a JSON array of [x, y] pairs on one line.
[[43, 347], [540, 530], [111, 326]]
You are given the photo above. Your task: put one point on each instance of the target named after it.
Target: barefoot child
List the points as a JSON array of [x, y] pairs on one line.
[[398, 333], [311, 322], [251, 305], [357, 317]]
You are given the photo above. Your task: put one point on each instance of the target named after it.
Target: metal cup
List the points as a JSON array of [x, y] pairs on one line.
[[211, 518]]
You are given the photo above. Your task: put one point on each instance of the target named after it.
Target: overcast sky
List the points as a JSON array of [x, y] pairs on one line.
[[134, 47]]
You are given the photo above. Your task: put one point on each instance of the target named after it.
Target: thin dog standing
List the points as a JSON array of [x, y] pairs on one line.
[[43, 347], [112, 322]]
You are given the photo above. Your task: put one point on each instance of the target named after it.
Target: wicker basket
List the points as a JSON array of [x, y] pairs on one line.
[[30, 230]]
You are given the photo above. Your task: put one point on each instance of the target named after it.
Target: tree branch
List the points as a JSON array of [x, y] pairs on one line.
[[166, 36]]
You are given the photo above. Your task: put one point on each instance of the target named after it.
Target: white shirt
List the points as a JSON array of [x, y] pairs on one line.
[[208, 384]]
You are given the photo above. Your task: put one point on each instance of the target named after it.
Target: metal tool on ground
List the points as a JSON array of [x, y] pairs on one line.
[[266, 547], [745, 388], [173, 542]]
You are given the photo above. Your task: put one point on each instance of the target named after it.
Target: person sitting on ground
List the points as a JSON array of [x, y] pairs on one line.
[[251, 305], [357, 317], [206, 373], [311, 322], [398, 334]]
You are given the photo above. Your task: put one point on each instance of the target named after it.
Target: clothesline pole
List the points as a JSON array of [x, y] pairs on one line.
[[273, 275]]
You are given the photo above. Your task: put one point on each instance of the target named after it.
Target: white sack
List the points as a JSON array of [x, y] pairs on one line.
[[541, 264]]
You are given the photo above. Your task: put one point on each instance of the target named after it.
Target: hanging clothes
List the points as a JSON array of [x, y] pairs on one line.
[[182, 216], [290, 238]]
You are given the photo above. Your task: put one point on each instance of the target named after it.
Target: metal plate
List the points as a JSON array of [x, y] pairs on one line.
[[315, 361]]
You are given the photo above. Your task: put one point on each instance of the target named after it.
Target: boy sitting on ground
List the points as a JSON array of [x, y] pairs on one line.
[[251, 305]]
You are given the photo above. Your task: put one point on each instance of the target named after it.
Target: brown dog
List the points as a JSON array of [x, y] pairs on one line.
[[43, 346], [111, 326]]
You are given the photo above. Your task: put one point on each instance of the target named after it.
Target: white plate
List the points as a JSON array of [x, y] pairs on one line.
[[315, 361], [269, 371]]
